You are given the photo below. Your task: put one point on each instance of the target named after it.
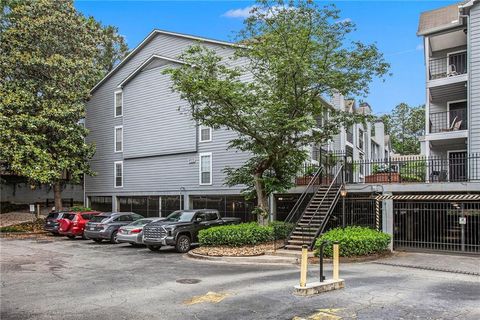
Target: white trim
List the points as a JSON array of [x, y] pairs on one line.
[[200, 155], [200, 128], [115, 174], [147, 39], [115, 139], [145, 63], [448, 110], [115, 103]]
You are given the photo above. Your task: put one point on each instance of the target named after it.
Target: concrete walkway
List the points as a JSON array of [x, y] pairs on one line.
[[437, 262]]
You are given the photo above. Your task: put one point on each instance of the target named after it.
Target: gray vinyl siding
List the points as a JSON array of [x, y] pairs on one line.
[[153, 121], [474, 121], [154, 173]]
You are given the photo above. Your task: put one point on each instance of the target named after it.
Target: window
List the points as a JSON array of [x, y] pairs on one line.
[[360, 138], [100, 203], [118, 174], [205, 168], [125, 218], [118, 139], [118, 103], [205, 134]]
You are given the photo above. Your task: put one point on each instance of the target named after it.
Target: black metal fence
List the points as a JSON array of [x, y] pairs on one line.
[[447, 121], [458, 167], [356, 210], [437, 225], [452, 65]]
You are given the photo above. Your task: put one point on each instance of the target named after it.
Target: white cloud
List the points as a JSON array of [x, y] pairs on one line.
[[419, 47], [239, 13]]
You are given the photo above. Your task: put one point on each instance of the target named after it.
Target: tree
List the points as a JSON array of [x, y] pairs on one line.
[[405, 125], [50, 57], [293, 53]]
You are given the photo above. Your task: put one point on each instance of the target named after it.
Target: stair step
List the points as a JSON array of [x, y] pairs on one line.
[[302, 237], [299, 242], [293, 247], [306, 233]]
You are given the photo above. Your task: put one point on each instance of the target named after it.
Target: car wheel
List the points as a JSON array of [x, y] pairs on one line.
[[183, 244], [154, 248], [113, 237], [71, 237], [98, 240]]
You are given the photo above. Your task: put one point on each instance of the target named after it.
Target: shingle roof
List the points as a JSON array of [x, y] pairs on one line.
[[438, 19]]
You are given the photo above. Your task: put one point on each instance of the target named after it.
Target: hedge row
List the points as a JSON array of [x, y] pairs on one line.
[[354, 241], [244, 234]]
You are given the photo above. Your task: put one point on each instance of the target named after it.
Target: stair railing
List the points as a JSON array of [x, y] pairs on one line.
[[321, 203], [303, 196], [294, 212]]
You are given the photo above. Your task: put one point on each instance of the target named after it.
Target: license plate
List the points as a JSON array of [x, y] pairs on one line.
[[92, 228]]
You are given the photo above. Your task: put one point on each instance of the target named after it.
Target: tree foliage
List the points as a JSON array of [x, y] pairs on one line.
[[270, 91], [405, 124], [50, 57]]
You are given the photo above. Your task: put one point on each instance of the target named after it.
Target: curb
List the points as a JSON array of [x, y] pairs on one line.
[[259, 259], [22, 233]]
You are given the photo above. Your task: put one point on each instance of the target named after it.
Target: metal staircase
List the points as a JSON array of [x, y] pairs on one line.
[[311, 221]]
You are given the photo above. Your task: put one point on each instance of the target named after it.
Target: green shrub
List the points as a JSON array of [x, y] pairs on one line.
[[354, 241], [413, 171], [281, 230], [80, 209], [235, 235]]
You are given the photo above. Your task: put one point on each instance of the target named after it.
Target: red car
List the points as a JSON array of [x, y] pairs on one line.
[[72, 224]]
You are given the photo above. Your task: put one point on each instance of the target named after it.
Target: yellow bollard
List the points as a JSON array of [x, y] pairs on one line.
[[303, 267], [335, 261]]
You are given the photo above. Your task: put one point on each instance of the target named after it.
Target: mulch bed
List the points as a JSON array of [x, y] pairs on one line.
[[25, 230], [370, 257], [245, 251]]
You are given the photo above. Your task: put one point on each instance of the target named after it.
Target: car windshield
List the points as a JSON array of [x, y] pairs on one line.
[[99, 218], [53, 215], [140, 222], [180, 216]]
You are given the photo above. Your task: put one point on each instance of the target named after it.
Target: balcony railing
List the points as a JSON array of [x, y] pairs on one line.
[[453, 65], [447, 121], [414, 169]]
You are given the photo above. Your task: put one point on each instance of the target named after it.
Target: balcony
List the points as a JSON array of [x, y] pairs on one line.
[[448, 121], [454, 64]]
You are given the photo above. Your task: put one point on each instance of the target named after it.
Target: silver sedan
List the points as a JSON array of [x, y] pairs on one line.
[[133, 233]]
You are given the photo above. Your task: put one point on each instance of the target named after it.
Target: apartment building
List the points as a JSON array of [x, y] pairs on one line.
[[451, 37], [152, 158]]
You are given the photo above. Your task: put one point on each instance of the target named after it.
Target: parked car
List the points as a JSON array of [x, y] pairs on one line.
[[133, 233], [105, 226], [51, 221], [72, 224], [180, 228]]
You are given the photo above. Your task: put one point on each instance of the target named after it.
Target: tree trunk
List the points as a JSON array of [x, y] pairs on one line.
[[57, 195], [262, 199]]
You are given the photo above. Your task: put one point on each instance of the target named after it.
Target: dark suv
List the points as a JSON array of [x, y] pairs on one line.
[[52, 221], [180, 228], [105, 226]]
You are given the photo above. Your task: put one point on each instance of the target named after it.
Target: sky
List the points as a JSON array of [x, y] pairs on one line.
[[392, 25]]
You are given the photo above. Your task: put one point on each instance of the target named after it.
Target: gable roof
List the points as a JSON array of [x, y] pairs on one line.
[[144, 64], [149, 38], [439, 19]]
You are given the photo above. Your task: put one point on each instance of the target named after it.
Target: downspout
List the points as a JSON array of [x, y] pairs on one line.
[[469, 81]]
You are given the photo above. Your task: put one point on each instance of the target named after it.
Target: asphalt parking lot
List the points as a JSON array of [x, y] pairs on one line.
[[64, 279]]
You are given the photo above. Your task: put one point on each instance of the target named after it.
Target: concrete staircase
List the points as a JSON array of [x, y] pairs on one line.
[[315, 217]]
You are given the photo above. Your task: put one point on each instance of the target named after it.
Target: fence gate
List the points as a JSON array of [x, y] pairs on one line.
[[437, 225]]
